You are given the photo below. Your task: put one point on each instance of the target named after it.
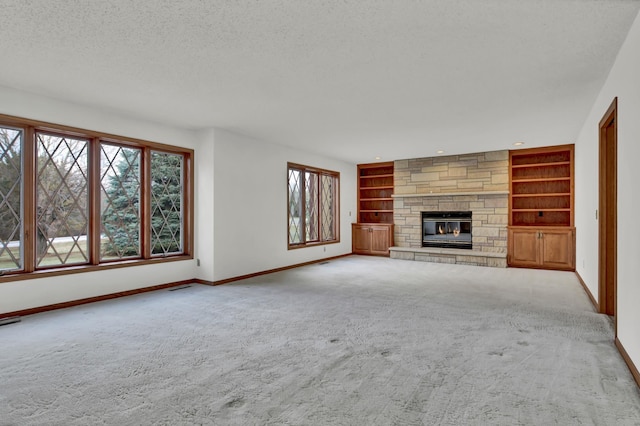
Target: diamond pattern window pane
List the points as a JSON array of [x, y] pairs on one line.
[[295, 206], [119, 202], [313, 198], [311, 206], [328, 203], [62, 208], [166, 203], [10, 199]]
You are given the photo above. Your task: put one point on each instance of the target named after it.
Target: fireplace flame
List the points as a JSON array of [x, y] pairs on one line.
[[440, 230], [456, 232]]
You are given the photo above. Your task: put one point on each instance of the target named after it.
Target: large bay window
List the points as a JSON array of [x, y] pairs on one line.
[[75, 200], [312, 206]]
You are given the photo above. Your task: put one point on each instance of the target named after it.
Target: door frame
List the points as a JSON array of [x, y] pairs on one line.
[[608, 213]]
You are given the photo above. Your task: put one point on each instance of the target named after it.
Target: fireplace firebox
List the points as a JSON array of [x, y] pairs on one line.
[[446, 229]]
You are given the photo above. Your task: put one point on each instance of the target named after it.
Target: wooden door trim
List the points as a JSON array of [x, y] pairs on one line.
[[607, 220]]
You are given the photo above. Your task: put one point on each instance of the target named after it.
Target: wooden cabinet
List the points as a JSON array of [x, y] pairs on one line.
[[541, 199], [549, 247], [372, 238], [373, 234]]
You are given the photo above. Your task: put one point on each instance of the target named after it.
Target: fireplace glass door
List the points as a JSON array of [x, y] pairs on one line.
[[446, 229]]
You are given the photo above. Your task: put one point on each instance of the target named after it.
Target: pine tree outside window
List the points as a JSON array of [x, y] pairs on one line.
[[119, 202], [74, 200]]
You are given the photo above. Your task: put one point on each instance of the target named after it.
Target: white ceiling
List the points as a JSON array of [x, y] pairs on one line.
[[353, 79]]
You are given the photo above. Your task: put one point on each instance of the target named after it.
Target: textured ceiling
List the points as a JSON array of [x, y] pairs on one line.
[[352, 79]]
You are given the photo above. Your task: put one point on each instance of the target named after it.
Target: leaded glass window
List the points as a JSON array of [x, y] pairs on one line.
[[119, 202], [295, 206], [10, 198], [166, 203], [73, 200], [62, 208], [312, 205]]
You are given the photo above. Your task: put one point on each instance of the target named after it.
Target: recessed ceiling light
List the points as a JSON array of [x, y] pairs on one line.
[[440, 151], [377, 158], [518, 143]]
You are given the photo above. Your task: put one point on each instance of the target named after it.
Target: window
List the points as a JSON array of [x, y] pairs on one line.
[[120, 215], [10, 198], [62, 202], [166, 203], [72, 199], [312, 206]]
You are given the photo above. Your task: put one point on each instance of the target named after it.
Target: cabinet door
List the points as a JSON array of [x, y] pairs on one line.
[[361, 238], [380, 241], [523, 247], [557, 249]]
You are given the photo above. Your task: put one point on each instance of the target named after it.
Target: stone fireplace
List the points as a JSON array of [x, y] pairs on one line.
[[477, 184]]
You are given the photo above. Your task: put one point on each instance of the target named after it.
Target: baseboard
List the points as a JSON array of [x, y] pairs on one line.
[[586, 289], [71, 303], [627, 359], [269, 271]]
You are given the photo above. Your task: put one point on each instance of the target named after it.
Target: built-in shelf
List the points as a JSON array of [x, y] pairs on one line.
[[382, 175], [541, 231], [375, 193], [373, 234], [541, 186], [554, 164]]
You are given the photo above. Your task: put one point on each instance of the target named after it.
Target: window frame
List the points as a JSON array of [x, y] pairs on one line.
[[29, 181], [336, 208]]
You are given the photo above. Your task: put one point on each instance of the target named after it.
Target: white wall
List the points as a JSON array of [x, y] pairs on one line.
[[204, 198], [250, 190], [27, 294], [623, 82], [238, 180]]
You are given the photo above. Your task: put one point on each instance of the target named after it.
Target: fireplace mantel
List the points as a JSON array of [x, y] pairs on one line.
[[450, 194]]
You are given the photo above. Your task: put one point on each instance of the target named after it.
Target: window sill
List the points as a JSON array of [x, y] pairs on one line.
[[314, 244], [21, 276]]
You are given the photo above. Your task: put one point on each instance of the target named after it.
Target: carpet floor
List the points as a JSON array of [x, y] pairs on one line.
[[356, 341]]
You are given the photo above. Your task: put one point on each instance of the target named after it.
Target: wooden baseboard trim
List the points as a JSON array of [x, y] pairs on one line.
[[586, 290], [270, 271], [71, 303], [627, 359]]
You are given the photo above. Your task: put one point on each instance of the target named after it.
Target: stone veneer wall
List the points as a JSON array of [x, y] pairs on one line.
[[477, 182]]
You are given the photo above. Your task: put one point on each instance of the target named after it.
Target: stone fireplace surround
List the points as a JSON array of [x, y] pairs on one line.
[[473, 182]]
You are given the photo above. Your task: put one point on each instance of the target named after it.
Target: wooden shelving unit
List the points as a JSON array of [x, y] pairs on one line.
[[541, 187], [541, 200], [375, 187], [373, 233]]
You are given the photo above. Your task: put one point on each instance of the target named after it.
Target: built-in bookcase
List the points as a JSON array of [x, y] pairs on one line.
[[542, 187], [375, 187], [541, 232], [373, 234]]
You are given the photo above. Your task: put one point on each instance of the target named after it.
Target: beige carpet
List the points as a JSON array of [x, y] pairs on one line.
[[357, 341]]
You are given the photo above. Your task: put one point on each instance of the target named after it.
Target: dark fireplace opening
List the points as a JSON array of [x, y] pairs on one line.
[[446, 229]]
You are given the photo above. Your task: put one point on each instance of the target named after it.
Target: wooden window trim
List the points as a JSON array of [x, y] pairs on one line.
[[94, 139], [336, 175]]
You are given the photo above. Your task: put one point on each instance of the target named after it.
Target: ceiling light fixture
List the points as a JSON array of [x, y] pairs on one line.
[[378, 158], [518, 143], [440, 151]]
